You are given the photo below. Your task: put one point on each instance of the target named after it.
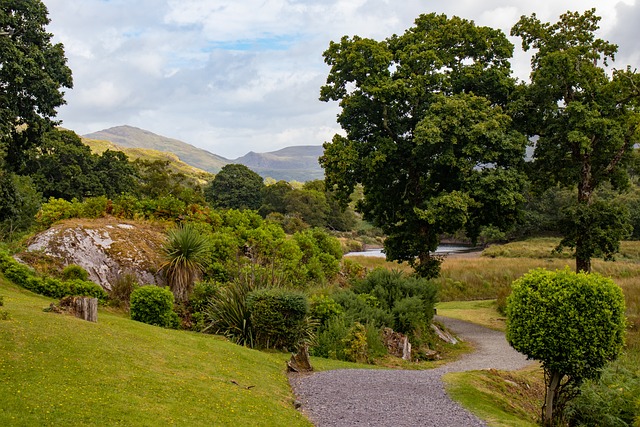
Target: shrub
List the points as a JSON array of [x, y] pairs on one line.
[[228, 314], [322, 308], [153, 305], [1, 300], [23, 276], [126, 206], [389, 287], [278, 318], [55, 210], [74, 271], [121, 289], [331, 339], [94, 207], [356, 349], [572, 322], [610, 401], [362, 308], [410, 315], [202, 294]]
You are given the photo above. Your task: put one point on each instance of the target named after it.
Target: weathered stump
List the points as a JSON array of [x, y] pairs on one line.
[[300, 361], [83, 307]]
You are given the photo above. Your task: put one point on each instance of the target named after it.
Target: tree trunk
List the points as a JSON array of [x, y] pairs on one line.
[[83, 307], [582, 263], [550, 397], [585, 191]]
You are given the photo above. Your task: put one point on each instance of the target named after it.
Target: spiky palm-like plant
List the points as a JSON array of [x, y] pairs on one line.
[[185, 253]]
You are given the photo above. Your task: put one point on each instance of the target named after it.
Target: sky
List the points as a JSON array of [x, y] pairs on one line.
[[233, 76]]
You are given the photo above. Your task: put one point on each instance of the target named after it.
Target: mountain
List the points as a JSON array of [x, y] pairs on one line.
[[297, 163], [132, 137], [99, 146]]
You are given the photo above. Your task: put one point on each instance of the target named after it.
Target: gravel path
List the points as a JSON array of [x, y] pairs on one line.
[[364, 397]]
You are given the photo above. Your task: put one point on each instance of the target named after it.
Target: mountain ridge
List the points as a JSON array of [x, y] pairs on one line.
[[293, 163]]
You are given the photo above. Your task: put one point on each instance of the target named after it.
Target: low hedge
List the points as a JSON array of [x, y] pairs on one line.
[[23, 276]]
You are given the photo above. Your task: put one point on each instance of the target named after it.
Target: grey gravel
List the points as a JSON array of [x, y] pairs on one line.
[[363, 397]]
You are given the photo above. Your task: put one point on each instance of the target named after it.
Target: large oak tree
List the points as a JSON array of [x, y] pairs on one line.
[[586, 120], [33, 71], [425, 133]]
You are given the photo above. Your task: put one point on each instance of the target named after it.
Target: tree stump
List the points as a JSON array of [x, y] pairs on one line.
[[85, 308], [300, 362]]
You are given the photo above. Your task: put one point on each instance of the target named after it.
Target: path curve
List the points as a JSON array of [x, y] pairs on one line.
[[365, 397]]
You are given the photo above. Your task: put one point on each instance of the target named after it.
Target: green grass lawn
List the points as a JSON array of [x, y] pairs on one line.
[[59, 370]]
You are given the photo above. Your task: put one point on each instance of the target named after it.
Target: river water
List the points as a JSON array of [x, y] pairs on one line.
[[442, 250]]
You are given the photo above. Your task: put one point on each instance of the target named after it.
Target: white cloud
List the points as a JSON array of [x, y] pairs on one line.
[[233, 76]]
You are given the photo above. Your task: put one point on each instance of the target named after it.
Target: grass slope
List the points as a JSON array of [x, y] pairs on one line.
[[59, 370]]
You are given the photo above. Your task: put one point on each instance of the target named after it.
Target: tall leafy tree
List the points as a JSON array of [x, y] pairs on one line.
[[235, 187], [587, 121], [62, 166], [33, 72], [426, 134]]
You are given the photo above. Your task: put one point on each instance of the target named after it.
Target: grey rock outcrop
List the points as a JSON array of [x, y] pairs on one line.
[[107, 248]]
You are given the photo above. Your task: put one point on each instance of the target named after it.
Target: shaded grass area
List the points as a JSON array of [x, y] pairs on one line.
[[501, 398], [59, 370]]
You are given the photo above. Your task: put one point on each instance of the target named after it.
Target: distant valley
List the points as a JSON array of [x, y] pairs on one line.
[[299, 163]]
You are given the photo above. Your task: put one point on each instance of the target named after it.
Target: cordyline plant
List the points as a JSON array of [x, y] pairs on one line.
[[185, 252]]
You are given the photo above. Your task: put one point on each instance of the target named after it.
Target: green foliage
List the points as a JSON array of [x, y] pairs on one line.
[[410, 299], [55, 210], [153, 305], [309, 205], [121, 289], [356, 349], [94, 207], [595, 229], [32, 76], [364, 309], [19, 203], [74, 271], [228, 313], [185, 252], [433, 155], [156, 180], [278, 318], [235, 187], [331, 339], [609, 401], [586, 118], [573, 323], [63, 167], [274, 198], [23, 276], [322, 308]]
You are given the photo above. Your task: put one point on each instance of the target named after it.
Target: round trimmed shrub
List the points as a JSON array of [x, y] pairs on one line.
[[153, 305], [573, 323]]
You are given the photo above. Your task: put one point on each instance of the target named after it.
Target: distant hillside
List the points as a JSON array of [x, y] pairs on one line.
[[132, 137], [175, 164], [299, 163]]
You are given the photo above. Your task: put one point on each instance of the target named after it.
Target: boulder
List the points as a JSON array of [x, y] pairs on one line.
[[107, 248]]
